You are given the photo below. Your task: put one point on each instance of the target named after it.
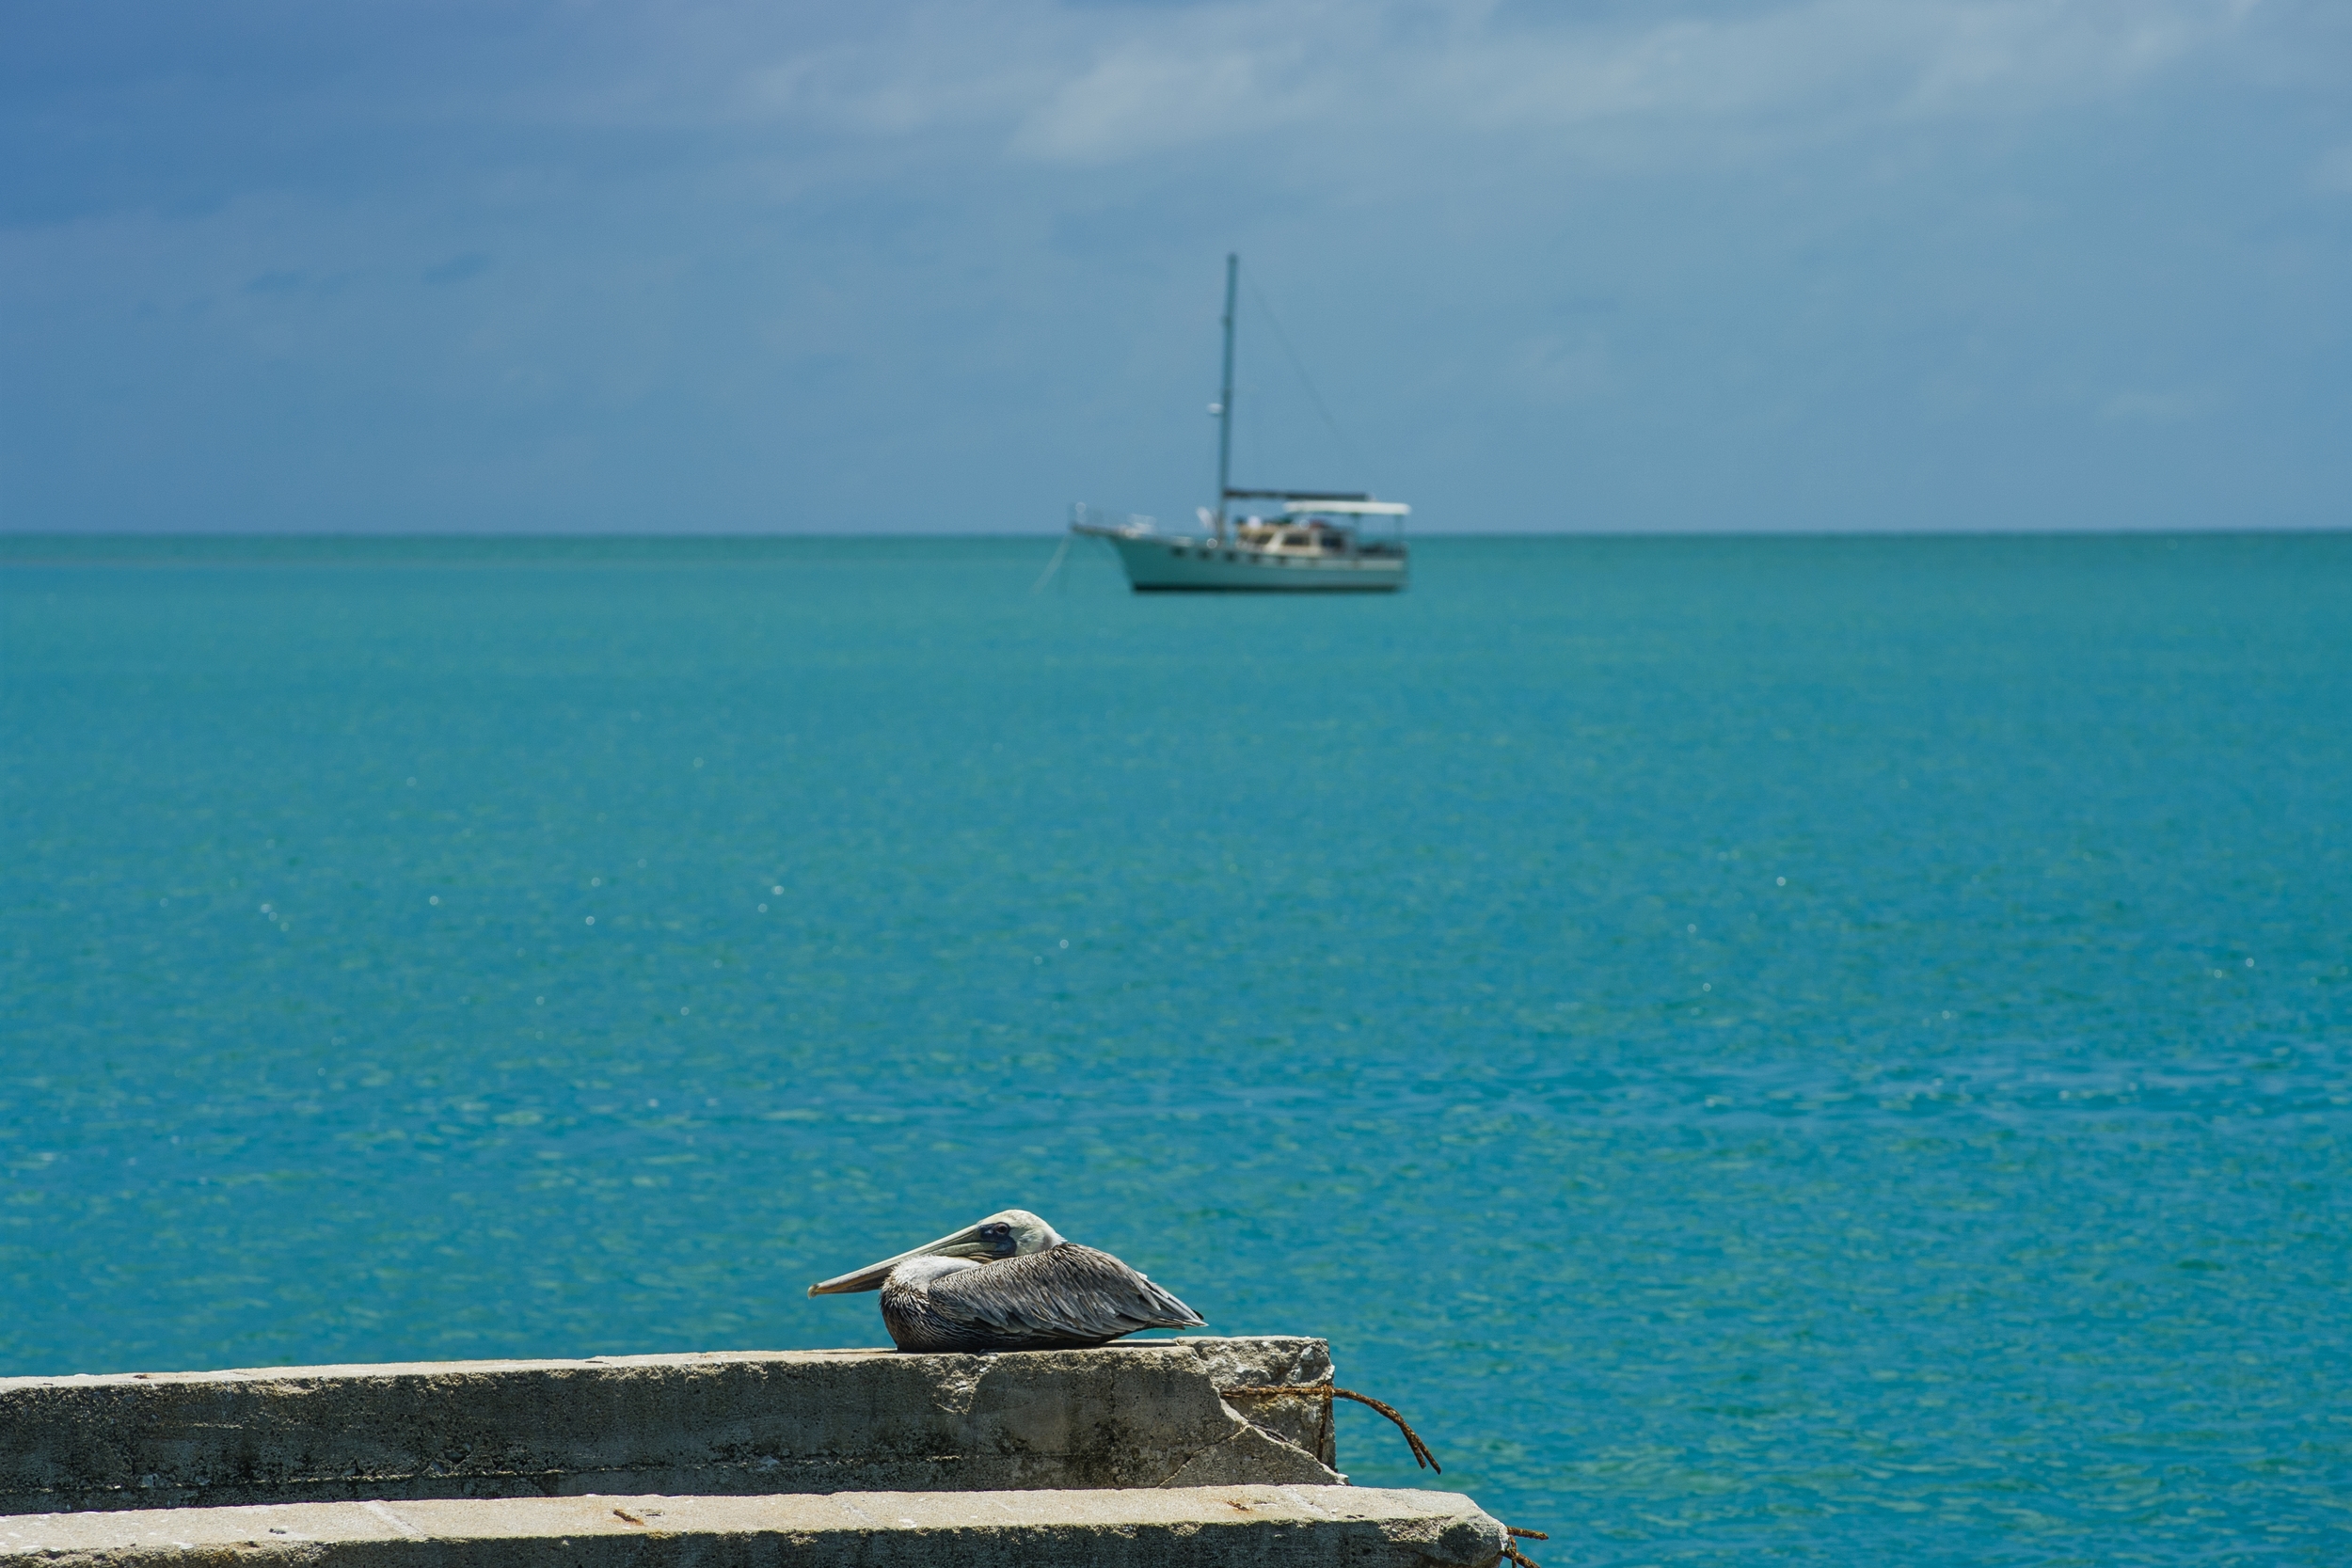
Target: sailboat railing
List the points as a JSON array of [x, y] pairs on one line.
[[1083, 515]]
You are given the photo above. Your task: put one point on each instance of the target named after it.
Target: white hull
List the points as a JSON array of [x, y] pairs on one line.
[[1158, 564]]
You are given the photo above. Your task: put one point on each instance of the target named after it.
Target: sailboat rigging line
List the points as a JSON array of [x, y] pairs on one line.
[[1305, 380]]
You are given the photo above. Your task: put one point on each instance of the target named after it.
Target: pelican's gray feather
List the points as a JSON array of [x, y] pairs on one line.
[[1009, 1282], [1066, 1296]]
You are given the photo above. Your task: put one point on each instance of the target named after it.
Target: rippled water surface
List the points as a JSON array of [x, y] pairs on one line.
[[1814, 1049]]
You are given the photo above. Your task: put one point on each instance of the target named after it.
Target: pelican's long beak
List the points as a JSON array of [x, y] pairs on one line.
[[963, 1243]]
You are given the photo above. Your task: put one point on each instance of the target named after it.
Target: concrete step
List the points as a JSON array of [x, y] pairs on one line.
[[1208, 1527], [1141, 1413]]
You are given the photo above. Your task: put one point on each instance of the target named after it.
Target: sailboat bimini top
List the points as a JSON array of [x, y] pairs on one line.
[[1354, 508]]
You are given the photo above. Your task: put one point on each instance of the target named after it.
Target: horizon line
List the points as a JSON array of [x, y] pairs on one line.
[[513, 536]]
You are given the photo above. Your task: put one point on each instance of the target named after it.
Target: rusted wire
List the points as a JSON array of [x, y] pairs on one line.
[[1325, 1391]]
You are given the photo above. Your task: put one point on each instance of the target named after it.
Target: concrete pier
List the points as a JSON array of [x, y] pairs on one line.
[[1145, 1414], [1265, 1526], [1124, 1456]]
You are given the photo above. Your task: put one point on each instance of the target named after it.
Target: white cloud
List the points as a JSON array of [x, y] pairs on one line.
[[1106, 84], [1141, 98]]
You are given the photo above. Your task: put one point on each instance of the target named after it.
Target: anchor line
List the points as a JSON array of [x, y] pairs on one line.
[[1052, 566]]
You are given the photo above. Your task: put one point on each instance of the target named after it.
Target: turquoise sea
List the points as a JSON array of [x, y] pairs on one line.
[[1819, 1050]]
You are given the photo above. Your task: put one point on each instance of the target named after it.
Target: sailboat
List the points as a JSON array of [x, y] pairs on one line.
[[1258, 541]]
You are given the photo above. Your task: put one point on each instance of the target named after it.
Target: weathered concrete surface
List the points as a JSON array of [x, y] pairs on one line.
[[1262, 1526], [1139, 1415]]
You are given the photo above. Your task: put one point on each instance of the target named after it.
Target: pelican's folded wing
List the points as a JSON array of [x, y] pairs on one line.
[[1065, 1293]]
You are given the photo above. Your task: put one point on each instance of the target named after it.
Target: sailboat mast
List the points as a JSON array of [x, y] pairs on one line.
[[1225, 396]]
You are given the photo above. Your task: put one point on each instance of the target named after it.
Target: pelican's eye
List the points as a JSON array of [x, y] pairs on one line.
[[996, 1235]]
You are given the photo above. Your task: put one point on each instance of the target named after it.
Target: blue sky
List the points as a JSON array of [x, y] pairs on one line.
[[1949, 265]]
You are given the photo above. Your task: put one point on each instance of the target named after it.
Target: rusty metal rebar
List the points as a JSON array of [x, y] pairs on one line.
[[1511, 1551], [1421, 1456], [1326, 1392]]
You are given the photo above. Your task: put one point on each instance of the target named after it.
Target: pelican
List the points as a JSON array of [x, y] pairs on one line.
[[1011, 1282]]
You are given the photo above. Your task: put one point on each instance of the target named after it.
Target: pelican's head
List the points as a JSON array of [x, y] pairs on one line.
[[1014, 1233]]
